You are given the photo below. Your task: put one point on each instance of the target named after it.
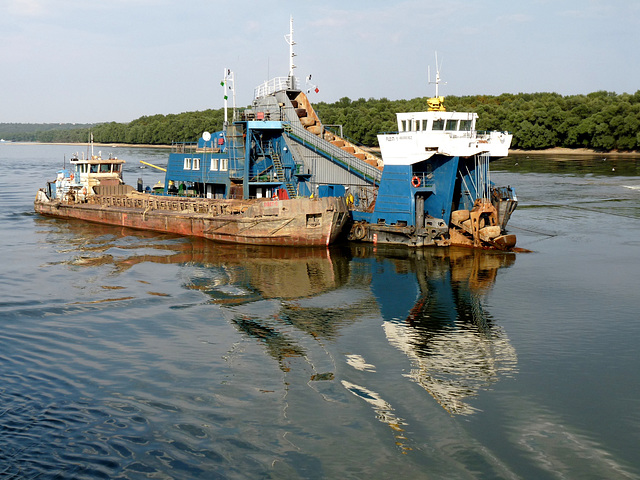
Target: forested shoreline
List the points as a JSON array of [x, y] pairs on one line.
[[601, 121]]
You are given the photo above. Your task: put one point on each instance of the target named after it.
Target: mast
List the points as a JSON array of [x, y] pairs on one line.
[[438, 81], [289, 40]]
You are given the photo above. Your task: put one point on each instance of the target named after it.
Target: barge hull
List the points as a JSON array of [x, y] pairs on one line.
[[297, 222]]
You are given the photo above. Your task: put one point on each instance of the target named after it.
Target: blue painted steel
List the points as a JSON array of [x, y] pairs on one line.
[[395, 201], [433, 179], [331, 191], [443, 171], [261, 160]]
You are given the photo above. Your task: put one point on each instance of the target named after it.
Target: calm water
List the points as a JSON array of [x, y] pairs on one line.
[[126, 354]]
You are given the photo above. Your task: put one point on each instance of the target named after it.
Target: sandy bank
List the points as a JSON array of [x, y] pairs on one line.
[[569, 151]]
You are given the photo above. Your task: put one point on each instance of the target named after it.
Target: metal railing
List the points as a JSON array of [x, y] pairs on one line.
[[333, 153], [271, 86]]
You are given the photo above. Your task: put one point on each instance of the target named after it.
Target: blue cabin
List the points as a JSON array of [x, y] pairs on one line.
[[251, 159]]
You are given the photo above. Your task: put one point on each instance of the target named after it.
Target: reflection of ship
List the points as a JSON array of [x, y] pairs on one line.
[[454, 347], [297, 303], [229, 273]]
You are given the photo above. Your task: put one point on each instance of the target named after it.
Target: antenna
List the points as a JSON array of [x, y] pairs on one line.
[[289, 40], [438, 81]]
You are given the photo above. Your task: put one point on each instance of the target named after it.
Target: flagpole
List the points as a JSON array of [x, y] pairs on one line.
[[224, 87]]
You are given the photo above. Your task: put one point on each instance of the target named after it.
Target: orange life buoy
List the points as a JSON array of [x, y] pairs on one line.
[[71, 177], [415, 181]]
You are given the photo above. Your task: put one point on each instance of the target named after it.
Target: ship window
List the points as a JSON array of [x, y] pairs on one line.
[[196, 163], [187, 164], [452, 125], [438, 124], [116, 167], [403, 127], [105, 168], [214, 164], [465, 125], [224, 165], [94, 168]]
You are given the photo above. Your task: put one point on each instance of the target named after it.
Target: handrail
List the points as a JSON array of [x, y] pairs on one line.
[[333, 153], [271, 86]]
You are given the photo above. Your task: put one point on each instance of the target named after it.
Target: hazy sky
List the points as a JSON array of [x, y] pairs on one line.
[[116, 60]]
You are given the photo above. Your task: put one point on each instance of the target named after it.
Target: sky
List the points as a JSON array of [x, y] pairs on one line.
[[93, 61]]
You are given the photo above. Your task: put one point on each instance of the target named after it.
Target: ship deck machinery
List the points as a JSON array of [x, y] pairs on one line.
[[436, 187]]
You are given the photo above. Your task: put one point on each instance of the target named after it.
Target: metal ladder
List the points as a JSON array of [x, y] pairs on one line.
[[277, 166]]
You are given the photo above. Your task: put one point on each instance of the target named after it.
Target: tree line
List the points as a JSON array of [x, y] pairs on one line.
[[600, 121]]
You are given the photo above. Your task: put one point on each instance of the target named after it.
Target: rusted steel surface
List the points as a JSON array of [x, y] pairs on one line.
[[297, 222]]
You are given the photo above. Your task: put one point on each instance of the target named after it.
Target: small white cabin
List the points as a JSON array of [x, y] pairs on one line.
[[96, 170]]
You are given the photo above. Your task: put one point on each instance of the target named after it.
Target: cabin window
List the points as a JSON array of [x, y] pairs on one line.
[[403, 126], [105, 168], [116, 167], [465, 125], [196, 163], [224, 165], [94, 168], [438, 124], [187, 164], [214, 164], [452, 125]]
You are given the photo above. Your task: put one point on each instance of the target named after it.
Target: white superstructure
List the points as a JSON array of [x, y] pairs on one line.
[[424, 134]]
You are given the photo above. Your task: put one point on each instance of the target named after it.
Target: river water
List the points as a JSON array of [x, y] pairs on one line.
[[128, 354]]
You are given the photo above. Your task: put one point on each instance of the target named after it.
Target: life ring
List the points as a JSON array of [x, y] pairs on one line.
[[415, 181], [71, 177], [84, 190]]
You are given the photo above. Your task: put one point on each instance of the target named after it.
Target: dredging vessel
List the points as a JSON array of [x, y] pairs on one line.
[[275, 175]]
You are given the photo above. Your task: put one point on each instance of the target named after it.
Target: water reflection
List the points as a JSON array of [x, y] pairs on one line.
[[456, 349], [297, 301], [228, 274]]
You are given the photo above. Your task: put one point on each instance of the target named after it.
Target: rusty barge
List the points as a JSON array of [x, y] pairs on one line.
[[103, 198]]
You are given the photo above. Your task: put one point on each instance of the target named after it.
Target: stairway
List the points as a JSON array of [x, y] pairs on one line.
[[277, 166]]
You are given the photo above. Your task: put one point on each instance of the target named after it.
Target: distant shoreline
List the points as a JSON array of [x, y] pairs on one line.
[[374, 150], [571, 151], [86, 144], [551, 151]]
